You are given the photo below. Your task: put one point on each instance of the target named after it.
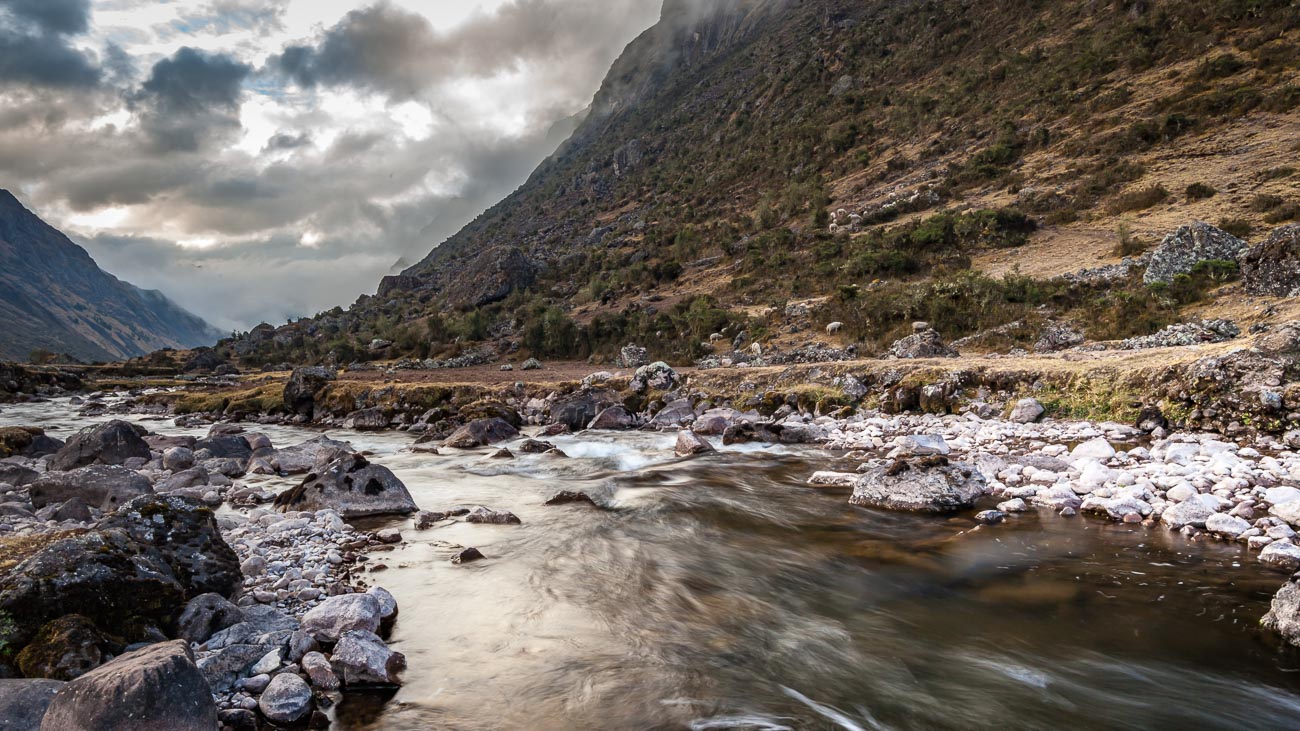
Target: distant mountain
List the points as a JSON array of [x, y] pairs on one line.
[[53, 296]]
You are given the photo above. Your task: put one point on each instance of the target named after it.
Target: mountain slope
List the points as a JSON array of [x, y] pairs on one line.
[[54, 297], [957, 138]]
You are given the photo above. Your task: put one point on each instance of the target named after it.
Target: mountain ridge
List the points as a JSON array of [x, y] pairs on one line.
[[54, 297]]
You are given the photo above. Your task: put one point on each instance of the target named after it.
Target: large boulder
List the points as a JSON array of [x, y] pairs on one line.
[[303, 385], [1183, 249], [23, 702], [17, 474], [157, 688], [351, 486], [105, 575], [101, 486], [113, 442], [1273, 267], [26, 441], [186, 533], [928, 484], [300, 458], [372, 419], [481, 432], [362, 658]]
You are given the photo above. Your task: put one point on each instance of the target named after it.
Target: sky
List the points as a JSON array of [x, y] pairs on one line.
[[258, 160]]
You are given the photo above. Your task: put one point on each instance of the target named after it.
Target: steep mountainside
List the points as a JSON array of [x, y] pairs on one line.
[[53, 297], [886, 153]]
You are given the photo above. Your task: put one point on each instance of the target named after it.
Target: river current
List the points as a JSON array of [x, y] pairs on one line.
[[724, 593]]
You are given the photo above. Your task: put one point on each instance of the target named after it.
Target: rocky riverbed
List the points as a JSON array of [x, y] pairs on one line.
[[594, 575]]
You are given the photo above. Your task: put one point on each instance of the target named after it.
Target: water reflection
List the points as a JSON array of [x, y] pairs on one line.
[[722, 593]]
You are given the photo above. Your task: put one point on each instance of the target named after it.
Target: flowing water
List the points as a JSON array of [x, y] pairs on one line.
[[723, 593]]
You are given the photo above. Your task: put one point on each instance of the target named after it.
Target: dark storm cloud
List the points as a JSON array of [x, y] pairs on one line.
[[392, 50], [287, 141], [34, 49], [64, 17], [190, 97]]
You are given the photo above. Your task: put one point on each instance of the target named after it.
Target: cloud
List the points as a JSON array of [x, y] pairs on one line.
[[391, 50], [190, 160], [64, 17], [190, 97], [34, 49]]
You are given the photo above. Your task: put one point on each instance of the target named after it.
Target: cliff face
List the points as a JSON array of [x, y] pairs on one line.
[[54, 297]]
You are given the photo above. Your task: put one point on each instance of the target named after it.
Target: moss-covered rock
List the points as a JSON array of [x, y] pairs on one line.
[[66, 648]]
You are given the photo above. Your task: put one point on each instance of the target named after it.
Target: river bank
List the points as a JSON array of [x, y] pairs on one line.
[[726, 591]]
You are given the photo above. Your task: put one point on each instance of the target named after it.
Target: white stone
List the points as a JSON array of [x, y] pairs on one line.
[[1097, 449]]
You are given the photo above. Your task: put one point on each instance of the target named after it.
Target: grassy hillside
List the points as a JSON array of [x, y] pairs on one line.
[[982, 148]]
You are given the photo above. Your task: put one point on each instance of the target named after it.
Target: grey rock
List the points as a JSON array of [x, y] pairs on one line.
[[657, 376], [1273, 268], [319, 671], [301, 458], [157, 688], [1027, 411], [303, 385], [481, 432], [928, 484], [113, 443], [924, 344], [362, 658], [23, 702], [286, 700], [101, 486], [351, 486], [690, 444], [327, 621], [205, 615]]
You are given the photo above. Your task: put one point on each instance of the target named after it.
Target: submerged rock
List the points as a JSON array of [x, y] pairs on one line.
[[690, 444], [928, 484], [351, 486]]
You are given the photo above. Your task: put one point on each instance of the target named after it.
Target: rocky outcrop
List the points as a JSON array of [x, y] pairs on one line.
[[113, 442], [1273, 267], [1183, 249], [927, 484], [101, 486], [352, 486], [303, 385], [657, 376], [157, 688], [130, 575], [924, 342]]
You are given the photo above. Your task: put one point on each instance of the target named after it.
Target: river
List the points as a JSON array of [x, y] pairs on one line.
[[724, 593]]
